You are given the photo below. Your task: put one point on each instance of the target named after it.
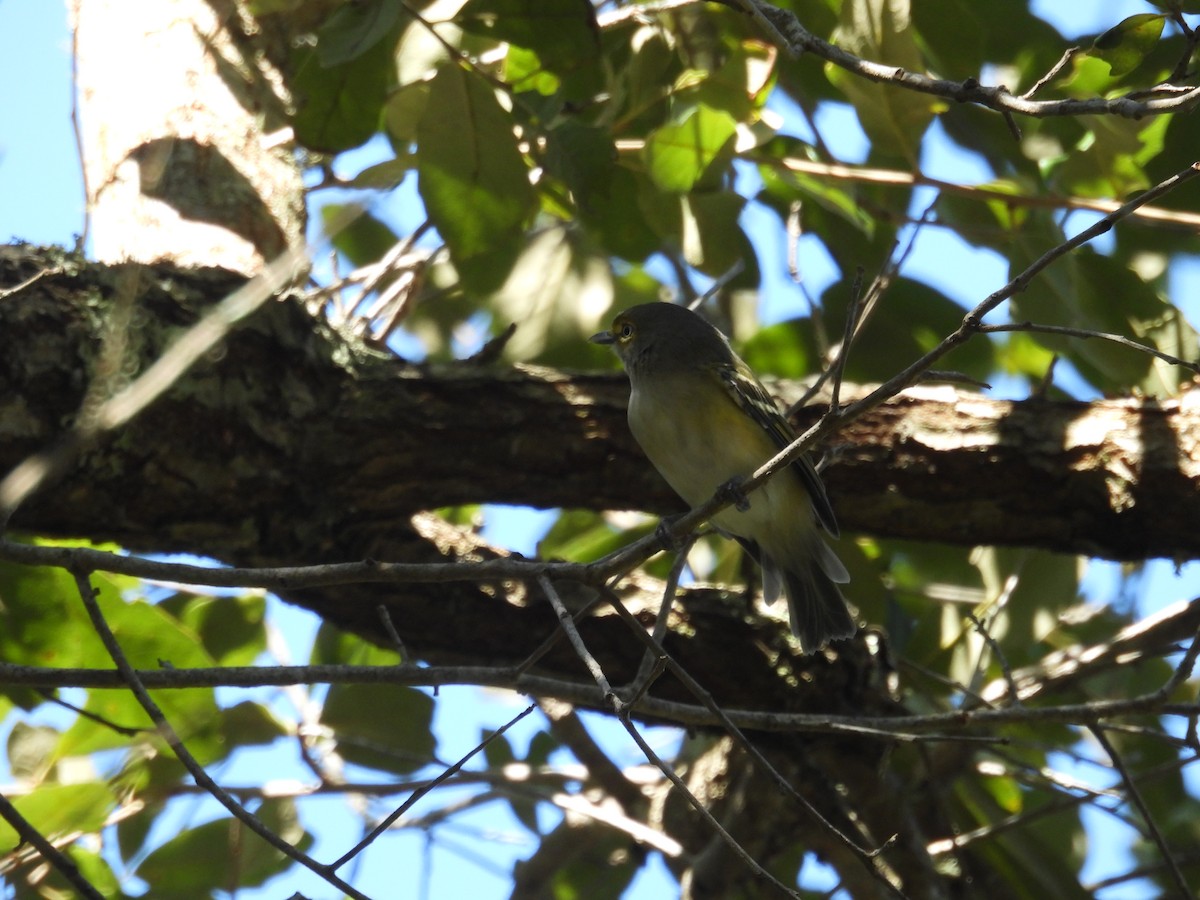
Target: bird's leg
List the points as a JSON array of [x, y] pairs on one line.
[[732, 491]]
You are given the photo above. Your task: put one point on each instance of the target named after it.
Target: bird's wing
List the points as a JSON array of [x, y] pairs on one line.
[[752, 398]]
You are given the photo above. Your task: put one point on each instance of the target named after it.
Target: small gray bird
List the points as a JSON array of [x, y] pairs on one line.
[[703, 418]]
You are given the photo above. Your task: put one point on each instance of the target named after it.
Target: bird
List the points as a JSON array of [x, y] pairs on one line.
[[706, 422]]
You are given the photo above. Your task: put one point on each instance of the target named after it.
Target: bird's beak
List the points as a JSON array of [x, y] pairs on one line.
[[603, 337]]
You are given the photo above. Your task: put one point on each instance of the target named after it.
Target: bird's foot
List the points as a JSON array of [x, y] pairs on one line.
[[664, 535], [732, 491]]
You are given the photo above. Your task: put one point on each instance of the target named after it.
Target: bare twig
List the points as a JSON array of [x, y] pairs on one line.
[[567, 621], [390, 627], [51, 854], [449, 772], [898, 178], [1068, 55], [641, 680], [705, 698], [1135, 795], [130, 676], [751, 863], [783, 26], [1088, 334], [48, 272], [905, 729]]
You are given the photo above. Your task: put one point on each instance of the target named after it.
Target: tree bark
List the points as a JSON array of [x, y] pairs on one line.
[[188, 157]]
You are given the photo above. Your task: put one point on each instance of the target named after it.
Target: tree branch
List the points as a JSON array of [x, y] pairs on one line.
[[797, 39]]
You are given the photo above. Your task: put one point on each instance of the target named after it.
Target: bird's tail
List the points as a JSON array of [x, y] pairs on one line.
[[816, 607]]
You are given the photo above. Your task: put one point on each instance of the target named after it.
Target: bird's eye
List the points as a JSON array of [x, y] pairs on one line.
[[626, 332]]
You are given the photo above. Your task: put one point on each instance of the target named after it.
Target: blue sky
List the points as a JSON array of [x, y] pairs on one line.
[[41, 200]]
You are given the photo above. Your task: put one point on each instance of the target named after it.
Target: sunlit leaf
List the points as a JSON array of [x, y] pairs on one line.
[[1127, 43], [60, 809], [471, 175], [679, 155]]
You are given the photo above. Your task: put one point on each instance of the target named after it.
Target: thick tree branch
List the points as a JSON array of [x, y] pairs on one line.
[[293, 426]]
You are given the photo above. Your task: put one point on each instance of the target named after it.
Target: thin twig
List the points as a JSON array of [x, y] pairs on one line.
[[906, 180], [751, 863], [783, 24], [389, 626], [705, 698], [449, 772], [123, 730], [51, 854], [904, 729], [1068, 55], [567, 622], [1147, 817], [994, 646], [623, 712], [839, 366], [1087, 333], [130, 676], [48, 272], [664, 612]]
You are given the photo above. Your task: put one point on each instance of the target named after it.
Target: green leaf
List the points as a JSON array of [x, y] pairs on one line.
[[681, 154], [365, 240], [498, 752], [340, 107], [1129, 42], [580, 535], [335, 647], [583, 158], [779, 350], [881, 31], [713, 241], [557, 290], [230, 628], [354, 28], [94, 869], [608, 213], [150, 638], [385, 175], [1187, 6], [472, 177], [403, 110], [1114, 153], [912, 318], [59, 809], [381, 726], [248, 724], [222, 855], [526, 72], [42, 622], [563, 33]]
